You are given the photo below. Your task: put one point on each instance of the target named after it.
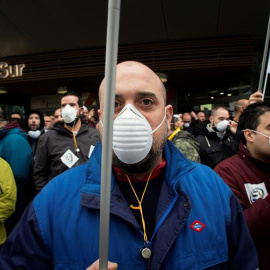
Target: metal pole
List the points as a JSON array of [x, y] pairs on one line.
[[264, 56], [264, 88], [109, 98]]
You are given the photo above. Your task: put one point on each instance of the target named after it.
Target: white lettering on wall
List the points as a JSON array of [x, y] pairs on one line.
[[11, 71]]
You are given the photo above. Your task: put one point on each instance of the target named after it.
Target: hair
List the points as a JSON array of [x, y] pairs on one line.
[[2, 115], [164, 92], [41, 118], [250, 118], [175, 119], [80, 102], [237, 108], [57, 110], [214, 111]]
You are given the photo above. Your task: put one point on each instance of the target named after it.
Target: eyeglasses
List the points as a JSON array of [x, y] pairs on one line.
[[255, 131]]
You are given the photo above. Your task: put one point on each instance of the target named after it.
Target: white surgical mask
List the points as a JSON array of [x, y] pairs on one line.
[[34, 134], [259, 133], [69, 114], [222, 125], [186, 125], [132, 135]]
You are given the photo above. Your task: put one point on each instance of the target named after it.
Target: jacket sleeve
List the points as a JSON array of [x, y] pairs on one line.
[[258, 218], [8, 191], [189, 148], [256, 214], [24, 248], [242, 251], [41, 171]]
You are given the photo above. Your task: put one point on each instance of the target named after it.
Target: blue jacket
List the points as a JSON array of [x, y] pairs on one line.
[[199, 223], [15, 149]]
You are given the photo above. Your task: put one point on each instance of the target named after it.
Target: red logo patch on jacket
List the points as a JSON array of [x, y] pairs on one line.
[[197, 226]]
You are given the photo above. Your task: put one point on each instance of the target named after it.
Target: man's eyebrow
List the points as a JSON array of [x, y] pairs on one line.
[[146, 94], [140, 94], [118, 96]]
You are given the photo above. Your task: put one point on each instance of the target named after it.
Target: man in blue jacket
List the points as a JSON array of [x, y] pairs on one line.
[[166, 211], [15, 150]]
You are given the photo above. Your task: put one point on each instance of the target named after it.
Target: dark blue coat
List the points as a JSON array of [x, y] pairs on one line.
[[199, 223]]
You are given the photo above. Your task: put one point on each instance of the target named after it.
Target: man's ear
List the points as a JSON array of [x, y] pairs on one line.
[[249, 135], [81, 110], [169, 114]]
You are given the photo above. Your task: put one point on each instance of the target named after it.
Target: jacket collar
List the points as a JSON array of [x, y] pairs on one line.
[[172, 173], [59, 126], [177, 166], [244, 154]]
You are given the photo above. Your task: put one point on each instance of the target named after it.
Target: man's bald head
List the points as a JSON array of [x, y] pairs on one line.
[[241, 104], [139, 86], [127, 69]]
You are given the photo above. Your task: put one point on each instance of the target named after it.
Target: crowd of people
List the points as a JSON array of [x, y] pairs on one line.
[[189, 190]]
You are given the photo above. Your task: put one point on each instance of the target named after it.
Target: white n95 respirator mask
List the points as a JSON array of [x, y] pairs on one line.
[[222, 125], [69, 114], [34, 134], [132, 135]]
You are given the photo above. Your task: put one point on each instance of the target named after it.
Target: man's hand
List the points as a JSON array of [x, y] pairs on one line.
[[95, 266], [193, 114], [255, 97], [233, 126], [91, 113]]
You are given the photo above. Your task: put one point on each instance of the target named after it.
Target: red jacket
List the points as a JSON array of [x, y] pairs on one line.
[[249, 180]]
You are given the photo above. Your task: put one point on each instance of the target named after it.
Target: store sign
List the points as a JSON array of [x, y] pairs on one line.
[[11, 71]]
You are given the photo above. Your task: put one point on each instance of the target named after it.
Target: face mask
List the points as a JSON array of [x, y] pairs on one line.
[[186, 125], [261, 134], [34, 134], [69, 114], [221, 126], [132, 135]]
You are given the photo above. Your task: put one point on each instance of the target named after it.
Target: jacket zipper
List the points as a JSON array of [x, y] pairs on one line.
[[164, 217], [149, 243]]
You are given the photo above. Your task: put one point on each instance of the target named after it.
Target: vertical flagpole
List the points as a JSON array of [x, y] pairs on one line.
[[265, 83], [109, 98], [266, 76], [264, 56]]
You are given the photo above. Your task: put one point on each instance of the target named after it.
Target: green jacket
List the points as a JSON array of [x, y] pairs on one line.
[[8, 194], [186, 143]]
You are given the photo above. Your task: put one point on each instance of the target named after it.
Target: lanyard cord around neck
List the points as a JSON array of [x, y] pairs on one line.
[[140, 204], [75, 141]]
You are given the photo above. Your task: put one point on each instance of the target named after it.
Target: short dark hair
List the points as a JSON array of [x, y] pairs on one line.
[[70, 93], [200, 112], [214, 111], [2, 115], [250, 118]]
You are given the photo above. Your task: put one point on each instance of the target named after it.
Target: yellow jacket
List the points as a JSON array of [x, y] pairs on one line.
[[8, 195]]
